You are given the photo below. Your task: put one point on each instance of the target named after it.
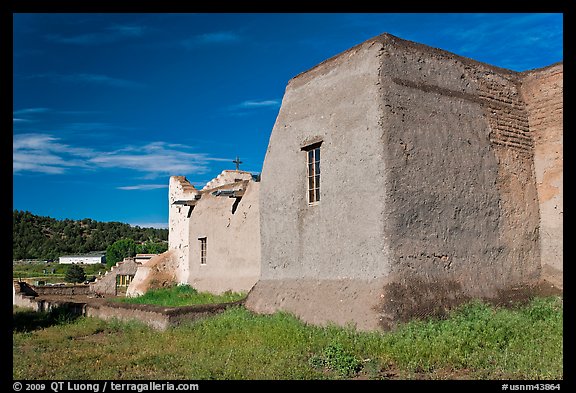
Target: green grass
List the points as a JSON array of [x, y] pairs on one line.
[[181, 295], [476, 342], [36, 270]]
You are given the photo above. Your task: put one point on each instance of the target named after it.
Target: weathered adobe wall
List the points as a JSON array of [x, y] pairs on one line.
[[159, 271], [542, 90], [461, 209], [320, 261], [106, 285], [23, 295], [428, 188], [157, 317], [65, 290], [233, 240], [178, 220]]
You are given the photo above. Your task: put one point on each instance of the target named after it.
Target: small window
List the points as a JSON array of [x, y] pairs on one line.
[[202, 250], [124, 280], [313, 173]]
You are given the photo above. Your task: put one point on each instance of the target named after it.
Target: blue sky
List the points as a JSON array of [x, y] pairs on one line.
[[106, 107]]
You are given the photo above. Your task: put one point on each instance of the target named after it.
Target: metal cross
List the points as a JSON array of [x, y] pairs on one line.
[[237, 162]]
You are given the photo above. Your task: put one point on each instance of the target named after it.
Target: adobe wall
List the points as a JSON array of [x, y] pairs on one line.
[[231, 227], [461, 215], [158, 272], [157, 317], [542, 90], [320, 262], [179, 189], [428, 189], [106, 285]]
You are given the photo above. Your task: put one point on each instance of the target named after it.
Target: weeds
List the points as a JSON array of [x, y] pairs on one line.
[[181, 295], [477, 341]]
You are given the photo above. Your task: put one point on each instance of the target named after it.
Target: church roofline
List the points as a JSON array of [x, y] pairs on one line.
[[391, 40]]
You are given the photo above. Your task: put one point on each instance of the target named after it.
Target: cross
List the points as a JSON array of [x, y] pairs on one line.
[[237, 162]]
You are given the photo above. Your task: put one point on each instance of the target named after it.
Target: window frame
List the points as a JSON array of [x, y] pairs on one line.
[[313, 172], [203, 250]]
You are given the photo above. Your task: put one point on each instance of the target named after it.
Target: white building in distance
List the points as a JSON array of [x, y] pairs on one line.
[[86, 259]]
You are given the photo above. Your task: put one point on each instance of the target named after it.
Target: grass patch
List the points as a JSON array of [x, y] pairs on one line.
[[53, 271], [476, 342], [181, 295]]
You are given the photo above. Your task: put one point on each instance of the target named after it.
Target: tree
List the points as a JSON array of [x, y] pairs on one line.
[[75, 273], [120, 249], [150, 247]]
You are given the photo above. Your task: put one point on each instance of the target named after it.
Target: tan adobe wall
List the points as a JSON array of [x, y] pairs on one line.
[[231, 227], [460, 216], [320, 262], [428, 188], [542, 90], [179, 189], [157, 272], [106, 285]]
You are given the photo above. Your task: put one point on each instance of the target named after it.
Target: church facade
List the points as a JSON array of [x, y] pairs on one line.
[[400, 180]]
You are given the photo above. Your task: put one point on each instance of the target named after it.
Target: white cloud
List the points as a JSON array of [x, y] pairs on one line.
[[45, 153], [29, 111], [247, 105], [94, 79], [260, 104], [221, 37], [143, 187], [110, 34]]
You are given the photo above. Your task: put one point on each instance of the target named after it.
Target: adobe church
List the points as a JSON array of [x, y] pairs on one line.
[[400, 180]]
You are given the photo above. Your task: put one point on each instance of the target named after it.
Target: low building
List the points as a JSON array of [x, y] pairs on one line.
[[116, 280], [85, 259], [214, 238]]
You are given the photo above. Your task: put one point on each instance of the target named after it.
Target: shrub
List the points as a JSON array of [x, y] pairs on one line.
[[336, 358], [75, 274]]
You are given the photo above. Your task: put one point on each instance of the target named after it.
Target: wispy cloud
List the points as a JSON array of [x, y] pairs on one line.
[[30, 111], [155, 158], [43, 153], [250, 105], [93, 79], [259, 104], [143, 187], [538, 31], [94, 126], [108, 35], [216, 38]]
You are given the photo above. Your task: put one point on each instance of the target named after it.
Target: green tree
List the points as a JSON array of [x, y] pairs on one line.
[[75, 273], [119, 250], [150, 247]]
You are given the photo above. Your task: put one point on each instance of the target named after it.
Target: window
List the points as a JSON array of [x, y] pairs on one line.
[[202, 250], [313, 172], [123, 280]]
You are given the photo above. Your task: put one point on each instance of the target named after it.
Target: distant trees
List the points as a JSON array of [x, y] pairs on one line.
[[150, 247], [120, 249], [126, 248], [38, 237], [75, 274]]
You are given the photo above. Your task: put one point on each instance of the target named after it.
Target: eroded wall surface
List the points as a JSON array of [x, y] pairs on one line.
[[461, 214], [231, 228], [428, 190], [179, 190], [543, 92], [320, 261]]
